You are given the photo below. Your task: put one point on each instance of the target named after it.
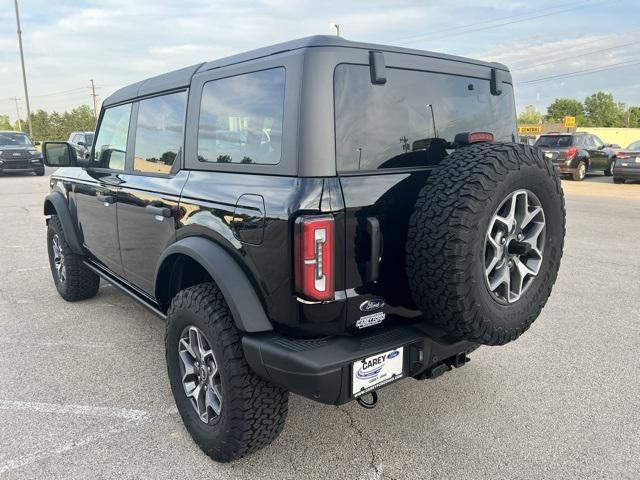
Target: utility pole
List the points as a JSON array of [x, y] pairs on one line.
[[95, 102], [18, 113], [337, 27], [24, 73]]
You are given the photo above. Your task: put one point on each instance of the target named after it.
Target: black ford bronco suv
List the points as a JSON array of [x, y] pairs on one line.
[[320, 217]]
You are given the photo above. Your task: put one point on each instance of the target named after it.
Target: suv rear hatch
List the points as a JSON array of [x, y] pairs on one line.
[[389, 137], [558, 148]]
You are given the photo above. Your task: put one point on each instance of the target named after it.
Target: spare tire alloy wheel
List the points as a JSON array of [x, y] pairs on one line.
[[485, 241], [200, 375], [514, 246]]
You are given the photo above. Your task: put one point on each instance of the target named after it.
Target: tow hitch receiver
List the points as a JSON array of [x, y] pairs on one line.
[[456, 361]]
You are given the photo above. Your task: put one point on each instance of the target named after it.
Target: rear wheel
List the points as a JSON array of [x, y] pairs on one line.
[[609, 171], [485, 241], [40, 172], [73, 280], [580, 172], [618, 180], [229, 411]]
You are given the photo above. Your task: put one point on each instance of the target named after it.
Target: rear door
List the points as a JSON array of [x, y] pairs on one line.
[[389, 138], [150, 189], [97, 192]]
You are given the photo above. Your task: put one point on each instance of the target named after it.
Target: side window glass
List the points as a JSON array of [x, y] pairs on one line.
[[111, 143], [159, 132], [241, 118], [597, 142]]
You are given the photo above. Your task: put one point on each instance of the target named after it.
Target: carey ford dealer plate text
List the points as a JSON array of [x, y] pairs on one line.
[[377, 370]]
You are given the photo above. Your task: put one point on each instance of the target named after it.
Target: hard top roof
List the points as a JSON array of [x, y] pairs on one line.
[[182, 78]]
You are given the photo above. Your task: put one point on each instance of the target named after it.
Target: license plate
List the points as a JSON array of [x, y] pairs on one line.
[[377, 370], [548, 155]]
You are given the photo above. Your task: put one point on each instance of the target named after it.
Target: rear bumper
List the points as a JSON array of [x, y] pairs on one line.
[[564, 169], [627, 172], [321, 369]]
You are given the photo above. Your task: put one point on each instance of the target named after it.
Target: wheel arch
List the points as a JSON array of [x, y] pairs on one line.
[[194, 260], [56, 204]]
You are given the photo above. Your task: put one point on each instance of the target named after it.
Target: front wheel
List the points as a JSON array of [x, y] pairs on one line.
[[73, 280], [229, 411]]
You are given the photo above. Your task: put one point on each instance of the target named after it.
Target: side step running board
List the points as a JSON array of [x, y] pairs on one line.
[[127, 288]]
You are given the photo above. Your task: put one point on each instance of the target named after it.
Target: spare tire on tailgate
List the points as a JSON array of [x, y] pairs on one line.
[[485, 241]]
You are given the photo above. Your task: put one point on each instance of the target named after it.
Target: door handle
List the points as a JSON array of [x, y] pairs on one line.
[[159, 211], [107, 199]]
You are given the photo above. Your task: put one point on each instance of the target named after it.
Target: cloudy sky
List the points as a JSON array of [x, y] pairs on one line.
[[560, 48]]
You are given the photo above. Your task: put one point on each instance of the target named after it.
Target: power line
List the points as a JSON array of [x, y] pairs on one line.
[[465, 28], [574, 56], [576, 73], [493, 20]]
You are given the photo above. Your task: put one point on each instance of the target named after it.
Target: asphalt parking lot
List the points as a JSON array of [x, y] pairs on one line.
[[84, 393]]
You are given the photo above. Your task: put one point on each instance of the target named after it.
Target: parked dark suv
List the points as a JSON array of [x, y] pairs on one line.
[[18, 154], [82, 142], [321, 216], [577, 154]]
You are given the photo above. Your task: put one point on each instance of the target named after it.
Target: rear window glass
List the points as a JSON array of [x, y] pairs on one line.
[[410, 120], [241, 118], [634, 146], [556, 141]]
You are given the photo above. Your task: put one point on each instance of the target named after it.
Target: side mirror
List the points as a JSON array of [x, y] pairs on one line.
[[37, 143], [81, 143], [59, 154]]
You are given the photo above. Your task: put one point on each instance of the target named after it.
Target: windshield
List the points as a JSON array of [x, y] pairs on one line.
[[11, 138], [557, 141]]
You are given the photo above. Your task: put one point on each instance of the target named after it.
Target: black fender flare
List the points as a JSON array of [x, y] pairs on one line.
[[246, 308], [61, 209]]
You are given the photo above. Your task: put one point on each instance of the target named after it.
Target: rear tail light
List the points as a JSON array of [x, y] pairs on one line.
[[571, 152], [313, 257], [473, 137], [622, 155]]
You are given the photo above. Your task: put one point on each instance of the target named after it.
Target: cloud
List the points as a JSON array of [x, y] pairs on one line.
[[117, 42]]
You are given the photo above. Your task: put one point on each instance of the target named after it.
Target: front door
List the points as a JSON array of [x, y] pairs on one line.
[[97, 190], [598, 157], [150, 192]]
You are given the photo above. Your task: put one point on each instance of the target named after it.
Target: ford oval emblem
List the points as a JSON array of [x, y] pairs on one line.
[[371, 305]]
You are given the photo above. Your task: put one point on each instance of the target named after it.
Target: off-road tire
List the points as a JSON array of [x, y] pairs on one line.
[[618, 180], [80, 282], [576, 175], [445, 247], [253, 410], [609, 171]]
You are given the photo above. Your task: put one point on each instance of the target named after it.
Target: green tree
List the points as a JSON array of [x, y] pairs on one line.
[[633, 117], [602, 111], [5, 124], [562, 107], [530, 115], [40, 125]]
